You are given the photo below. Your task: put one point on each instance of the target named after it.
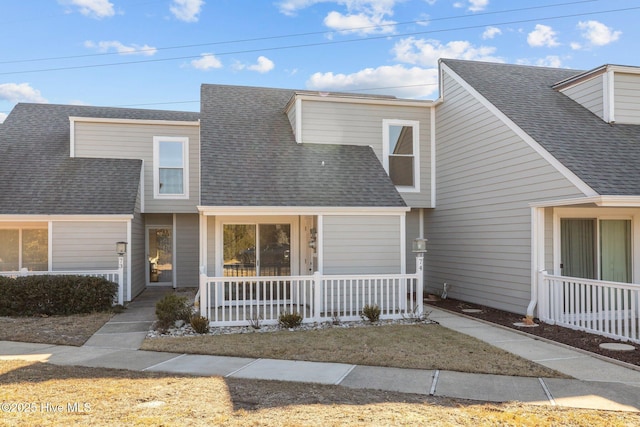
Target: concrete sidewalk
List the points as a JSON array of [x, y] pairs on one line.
[[598, 385]]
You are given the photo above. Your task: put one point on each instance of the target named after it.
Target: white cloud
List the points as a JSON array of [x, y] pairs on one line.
[[478, 5], [597, 33], [186, 10], [3, 116], [20, 92], [207, 61], [550, 61], [491, 32], [264, 65], [575, 45], [359, 13], [92, 8], [542, 35], [360, 23], [427, 52], [473, 5], [414, 82], [114, 45]]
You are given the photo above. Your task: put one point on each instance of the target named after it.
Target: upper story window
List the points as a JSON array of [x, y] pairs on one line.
[[170, 167], [401, 156]]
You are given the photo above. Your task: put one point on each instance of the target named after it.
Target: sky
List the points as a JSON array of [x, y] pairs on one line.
[[156, 54]]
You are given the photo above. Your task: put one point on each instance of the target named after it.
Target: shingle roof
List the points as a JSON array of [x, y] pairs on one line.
[[604, 156], [37, 176], [250, 157]]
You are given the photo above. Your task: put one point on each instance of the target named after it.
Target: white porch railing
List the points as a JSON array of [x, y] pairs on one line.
[[116, 276], [239, 301], [605, 308]]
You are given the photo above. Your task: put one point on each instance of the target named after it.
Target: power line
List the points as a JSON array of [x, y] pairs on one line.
[[313, 33], [316, 44]]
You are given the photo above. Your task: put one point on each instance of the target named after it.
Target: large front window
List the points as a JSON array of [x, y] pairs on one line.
[[401, 153], [170, 161], [257, 249], [22, 248], [594, 248]]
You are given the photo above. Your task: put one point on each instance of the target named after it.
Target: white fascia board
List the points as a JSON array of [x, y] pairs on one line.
[[433, 157], [555, 163], [299, 210], [72, 138], [135, 121], [41, 218], [365, 100], [601, 201], [298, 121]]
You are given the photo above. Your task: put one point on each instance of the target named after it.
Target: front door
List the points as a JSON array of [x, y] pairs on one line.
[[159, 256]]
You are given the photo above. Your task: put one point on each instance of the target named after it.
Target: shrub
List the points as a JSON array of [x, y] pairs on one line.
[[289, 320], [200, 324], [171, 308], [55, 295], [371, 313]]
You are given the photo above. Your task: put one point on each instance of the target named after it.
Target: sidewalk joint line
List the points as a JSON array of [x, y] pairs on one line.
[[434, 382], [547, 392], [560, 358], [241, 368], [168, 360], [345, 375]]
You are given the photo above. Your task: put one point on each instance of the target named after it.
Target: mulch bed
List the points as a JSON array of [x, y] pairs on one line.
[[573, 338]]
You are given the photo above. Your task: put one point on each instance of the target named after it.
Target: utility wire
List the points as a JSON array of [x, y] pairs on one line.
[[313, 33], [316, 44]]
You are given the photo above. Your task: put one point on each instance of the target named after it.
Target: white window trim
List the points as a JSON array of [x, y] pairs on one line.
[[416, 151], [156, 167]]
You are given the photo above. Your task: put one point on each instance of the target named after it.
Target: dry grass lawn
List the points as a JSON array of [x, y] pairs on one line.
[[62, 330], [111, 397], [421, 346]]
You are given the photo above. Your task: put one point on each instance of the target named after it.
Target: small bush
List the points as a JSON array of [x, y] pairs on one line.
[[289, 320], [200, 324], [371, 313], [171, 308], [53, 295]]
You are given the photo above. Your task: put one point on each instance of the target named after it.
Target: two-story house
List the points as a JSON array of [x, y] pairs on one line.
[[514, 170]]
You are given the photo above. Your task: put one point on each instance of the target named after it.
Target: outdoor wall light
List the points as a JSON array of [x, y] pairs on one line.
[[121, 248], [419, 245]]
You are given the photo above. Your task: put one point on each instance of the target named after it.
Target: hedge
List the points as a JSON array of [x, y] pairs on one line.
[[55, 295]]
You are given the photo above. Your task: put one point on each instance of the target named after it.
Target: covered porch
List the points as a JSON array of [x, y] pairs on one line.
[[322, 263], [586, 265]]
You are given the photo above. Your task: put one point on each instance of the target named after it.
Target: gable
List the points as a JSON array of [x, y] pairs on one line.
[[602, 156]]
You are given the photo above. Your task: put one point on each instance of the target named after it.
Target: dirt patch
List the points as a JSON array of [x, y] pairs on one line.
[[578, 339]]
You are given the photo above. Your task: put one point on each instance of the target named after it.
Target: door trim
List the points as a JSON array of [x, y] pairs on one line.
[[146, 252]]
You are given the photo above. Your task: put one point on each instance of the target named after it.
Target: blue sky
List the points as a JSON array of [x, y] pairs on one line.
[[156, 54]]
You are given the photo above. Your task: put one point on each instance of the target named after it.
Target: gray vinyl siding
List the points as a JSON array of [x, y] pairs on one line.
[[480, 233], [187, 250], [87, 245], [135, 141], [589, 94], [361, 124], [361, 244], [138, 257], [627, 98], [211, 247], [412, 231]]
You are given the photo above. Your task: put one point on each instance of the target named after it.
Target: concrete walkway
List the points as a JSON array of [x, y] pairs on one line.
[[598, 384]]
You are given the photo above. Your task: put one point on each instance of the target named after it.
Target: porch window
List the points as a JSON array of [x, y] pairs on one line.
[[257, 249], [596, 249], [401, 153], [170, 167], [24, 248]]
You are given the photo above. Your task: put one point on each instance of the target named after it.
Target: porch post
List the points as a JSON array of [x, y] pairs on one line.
[[204, 298], [317, 295], [419, 283], [121, 280]]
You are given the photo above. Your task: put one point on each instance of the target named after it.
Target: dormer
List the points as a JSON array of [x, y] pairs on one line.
[[612, 92]]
